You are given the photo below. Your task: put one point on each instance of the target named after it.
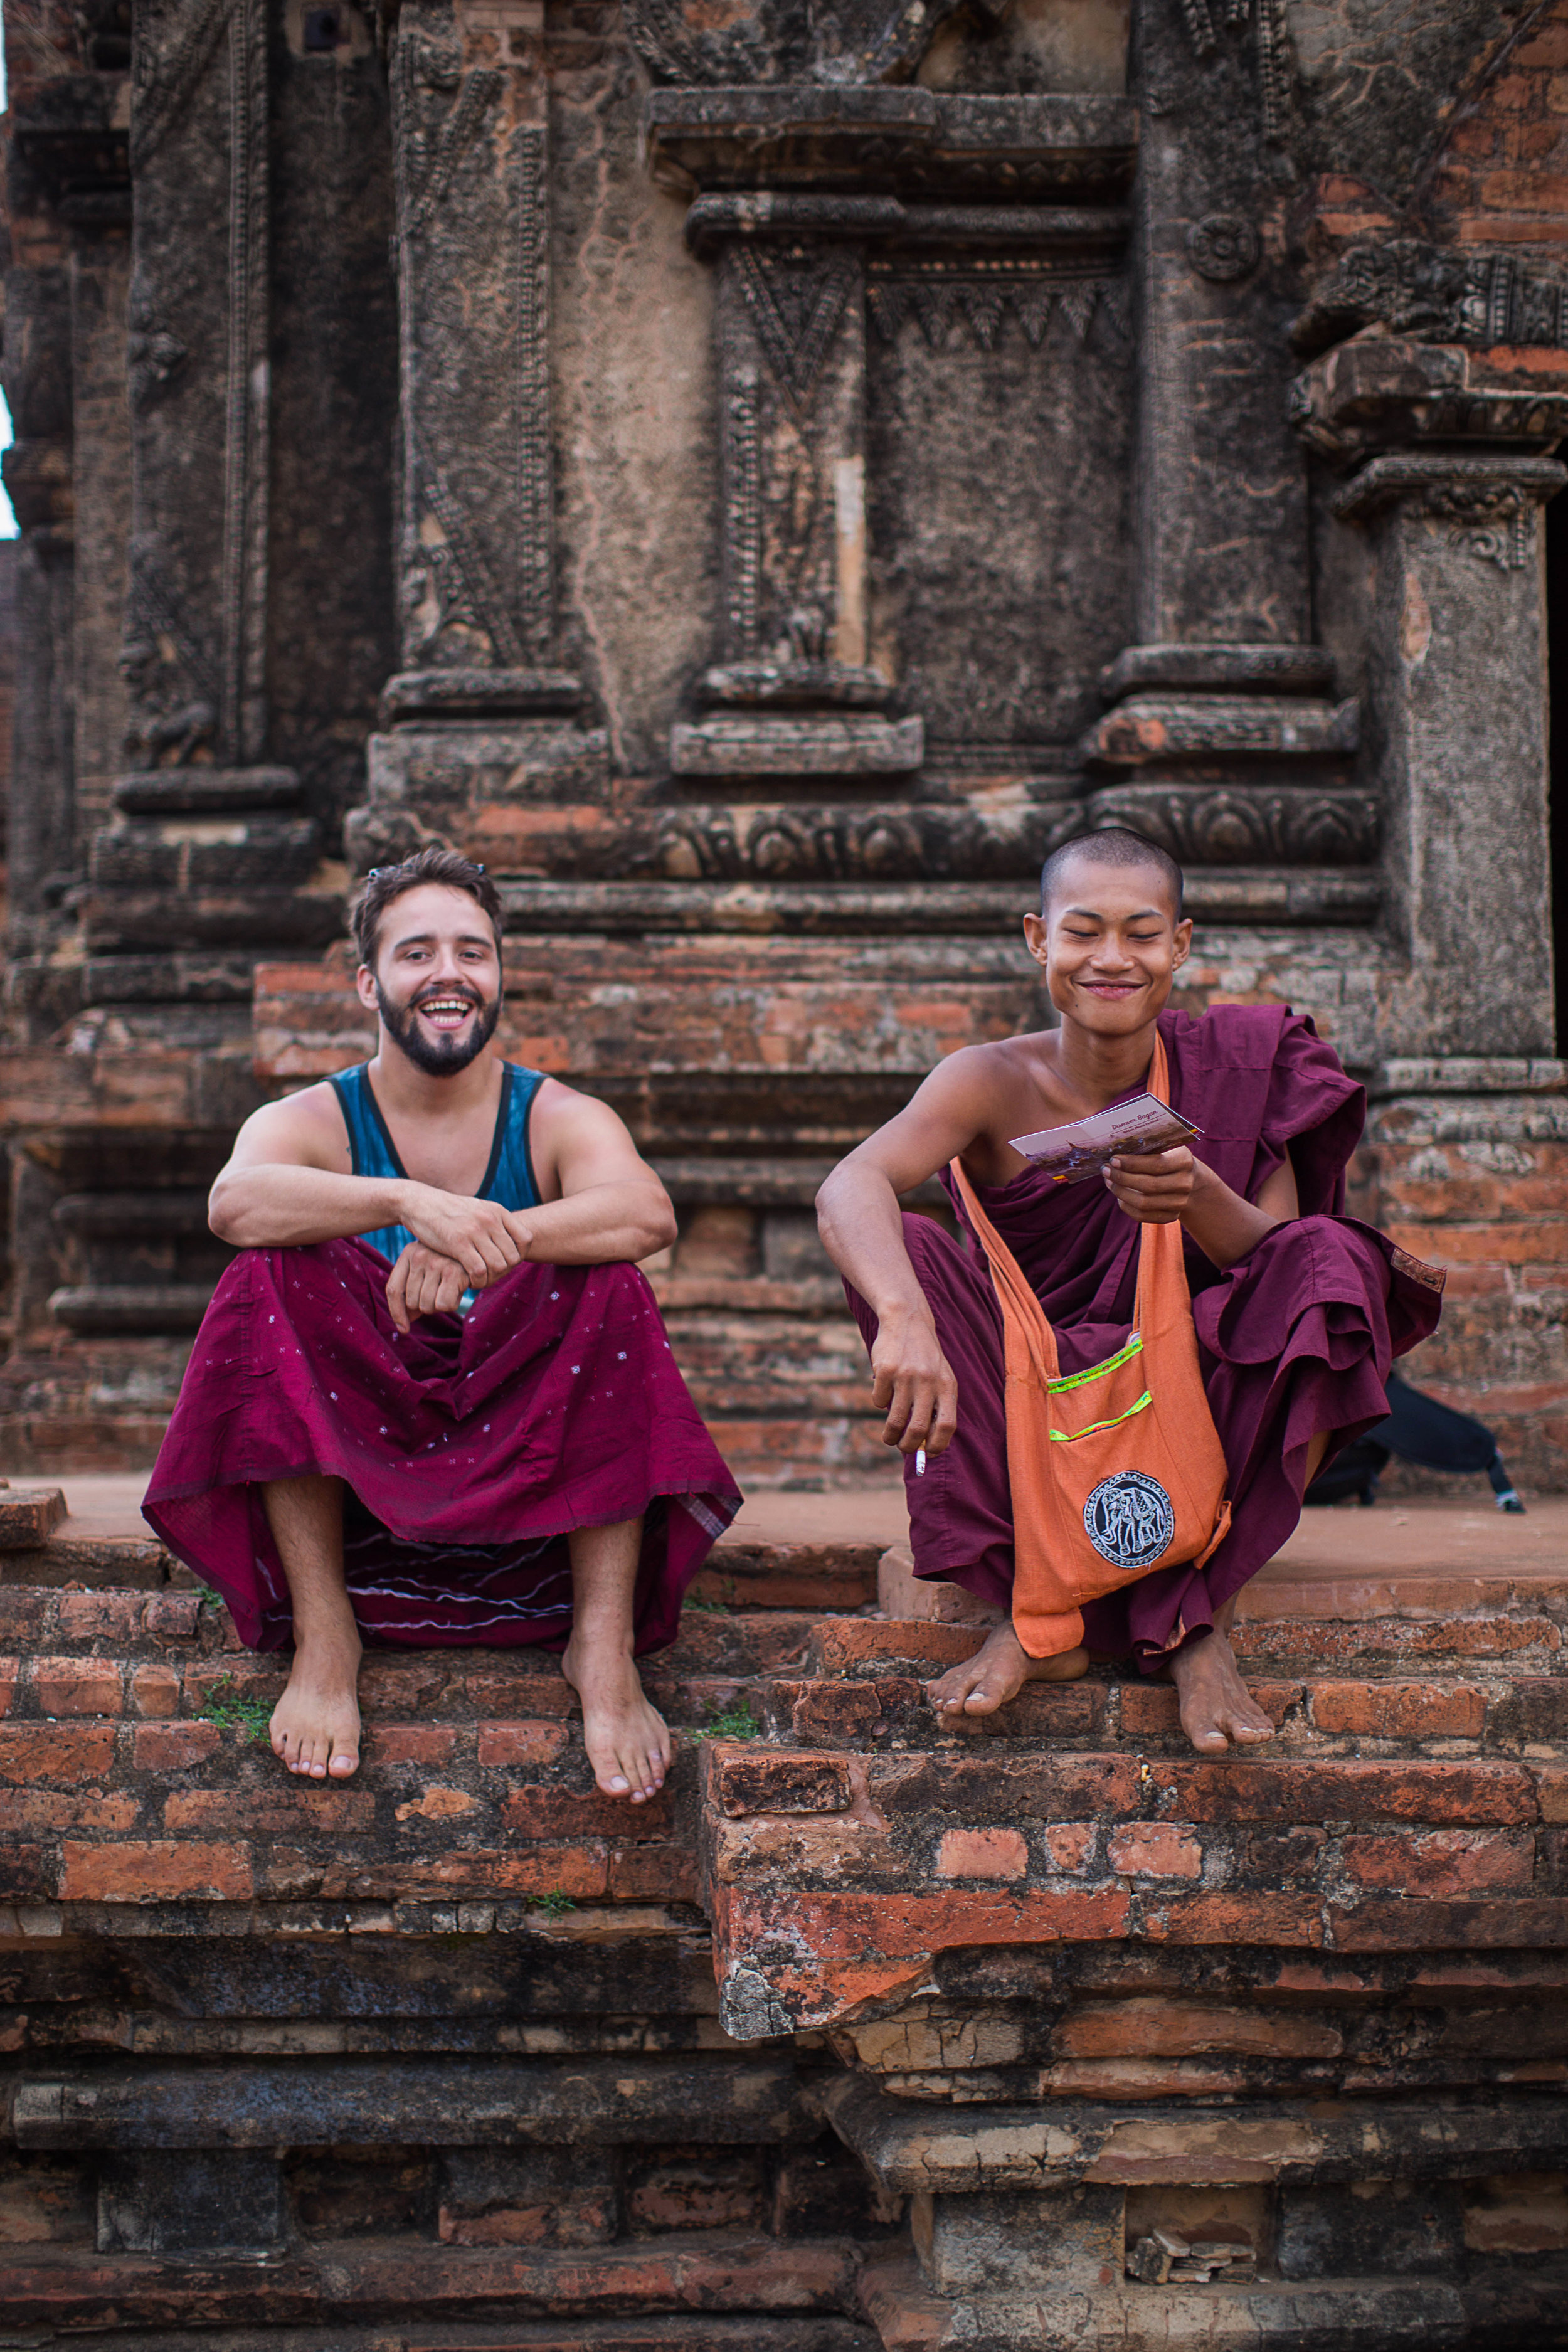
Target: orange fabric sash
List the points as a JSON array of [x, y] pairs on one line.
[[1115, 1471]]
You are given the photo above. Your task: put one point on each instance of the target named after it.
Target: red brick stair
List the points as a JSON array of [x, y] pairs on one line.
[[870, 2031]]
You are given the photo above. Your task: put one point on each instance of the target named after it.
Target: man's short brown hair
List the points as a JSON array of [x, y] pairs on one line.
[[382, 884]]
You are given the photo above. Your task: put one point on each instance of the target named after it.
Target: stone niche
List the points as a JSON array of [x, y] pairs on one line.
[[999, 399]]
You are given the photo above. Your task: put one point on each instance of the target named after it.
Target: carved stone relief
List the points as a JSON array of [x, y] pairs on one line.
[[950, 299], [198, 352], [1206, 825], [1224, 246], [1428, 295], [1208, 22], [830, 41], [477, 560], [1484, 508]]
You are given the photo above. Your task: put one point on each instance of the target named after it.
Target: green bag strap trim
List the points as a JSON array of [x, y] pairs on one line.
[[1099, 1371], [1067, 1436]]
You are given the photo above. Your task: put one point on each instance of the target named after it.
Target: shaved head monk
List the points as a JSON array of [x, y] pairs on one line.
[[432, 1400], [1296, 1310]]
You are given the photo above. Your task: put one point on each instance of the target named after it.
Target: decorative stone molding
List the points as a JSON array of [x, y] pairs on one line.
[[1224, 246], [1146, 729], [1272, 29], [805, 746], [1218, 669], [874, 139], [1246, 826], [1425, 294], [1486, 505], [948, 300], [1362, 398]]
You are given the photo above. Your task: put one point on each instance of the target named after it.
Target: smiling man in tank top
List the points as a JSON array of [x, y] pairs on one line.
[[1296, 1310], [432, 1400]]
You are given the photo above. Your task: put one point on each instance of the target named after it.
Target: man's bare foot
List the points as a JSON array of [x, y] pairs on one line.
[[998, 1672], [1216, 1705], [628, 1740], [315, 1723]]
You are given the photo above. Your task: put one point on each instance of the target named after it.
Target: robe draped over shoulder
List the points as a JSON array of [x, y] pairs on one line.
[[1294, 1341], [470, 1448]]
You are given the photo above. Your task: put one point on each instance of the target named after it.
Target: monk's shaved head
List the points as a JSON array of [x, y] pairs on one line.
[[1115, 846]]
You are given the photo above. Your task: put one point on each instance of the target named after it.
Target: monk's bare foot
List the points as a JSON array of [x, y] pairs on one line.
[[628, 1740], [315, 1723], [998, 1672], [1216, 1705]]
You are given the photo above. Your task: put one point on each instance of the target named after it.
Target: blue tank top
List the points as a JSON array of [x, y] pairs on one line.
[[508, 1180]]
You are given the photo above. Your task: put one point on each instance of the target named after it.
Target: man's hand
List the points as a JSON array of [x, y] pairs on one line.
[[913, 1382], [483, 1238], [422, 1282], [1155, 1187]]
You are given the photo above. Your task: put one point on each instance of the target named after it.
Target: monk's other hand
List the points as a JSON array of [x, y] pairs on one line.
[[1153, 1187], [485, 1239], [912, 1382], [422, 1282]]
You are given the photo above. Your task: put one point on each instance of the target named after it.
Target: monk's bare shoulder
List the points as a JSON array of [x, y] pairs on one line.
[[1005, 1086], [303, 1130]]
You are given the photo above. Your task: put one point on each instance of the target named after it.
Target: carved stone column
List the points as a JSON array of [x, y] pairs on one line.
[[1458, 694], [482, 718], [1222, 739], [208, 845]]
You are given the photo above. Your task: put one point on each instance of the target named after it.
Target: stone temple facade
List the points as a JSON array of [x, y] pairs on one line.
[[759, 474]]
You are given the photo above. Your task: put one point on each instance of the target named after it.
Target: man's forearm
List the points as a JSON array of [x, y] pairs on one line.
[[862, 1230], [282, 1206], [603, 1224]]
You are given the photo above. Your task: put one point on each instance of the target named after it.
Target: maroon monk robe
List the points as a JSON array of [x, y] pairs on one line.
[[469, 1449], [1294, 1339]]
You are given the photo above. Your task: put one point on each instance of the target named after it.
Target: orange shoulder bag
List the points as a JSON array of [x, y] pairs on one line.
[[1116, 1471]]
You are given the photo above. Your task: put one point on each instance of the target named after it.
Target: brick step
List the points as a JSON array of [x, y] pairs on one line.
[[741, 1572], [1327, 1715], [711, 2272], [1357, 2314], [416, 2102], [832, 1881], [679, 2332], [117, 1629], [28, 1515]]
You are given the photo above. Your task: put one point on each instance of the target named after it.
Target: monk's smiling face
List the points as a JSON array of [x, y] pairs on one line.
[[1109, 943], [437, 980]]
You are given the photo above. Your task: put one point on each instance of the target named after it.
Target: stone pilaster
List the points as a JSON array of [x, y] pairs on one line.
[[1457, 694], [207, 846], [483, 721], [1223, 738], [195, 631]]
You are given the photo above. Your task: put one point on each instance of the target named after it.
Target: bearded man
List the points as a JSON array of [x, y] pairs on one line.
[[432, 1400]]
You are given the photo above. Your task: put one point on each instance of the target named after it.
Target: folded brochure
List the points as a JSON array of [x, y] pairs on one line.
[[1071, 1154]]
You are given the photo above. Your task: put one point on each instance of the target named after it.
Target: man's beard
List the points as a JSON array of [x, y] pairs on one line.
[[444, 1057]]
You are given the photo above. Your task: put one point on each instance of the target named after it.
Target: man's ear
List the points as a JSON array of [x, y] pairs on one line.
[[1184, 939], [365, 987], [1035, 937]]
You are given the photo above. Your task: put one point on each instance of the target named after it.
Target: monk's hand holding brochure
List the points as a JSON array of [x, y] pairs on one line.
[[1071, 1154]]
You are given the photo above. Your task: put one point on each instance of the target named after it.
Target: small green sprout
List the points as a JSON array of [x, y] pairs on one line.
[[710, 1608], [554, 1904], [210, 1597], [253, 1716], [735, 1722]]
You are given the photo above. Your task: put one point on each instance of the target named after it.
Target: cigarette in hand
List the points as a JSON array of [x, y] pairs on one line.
[[919, 1461]]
